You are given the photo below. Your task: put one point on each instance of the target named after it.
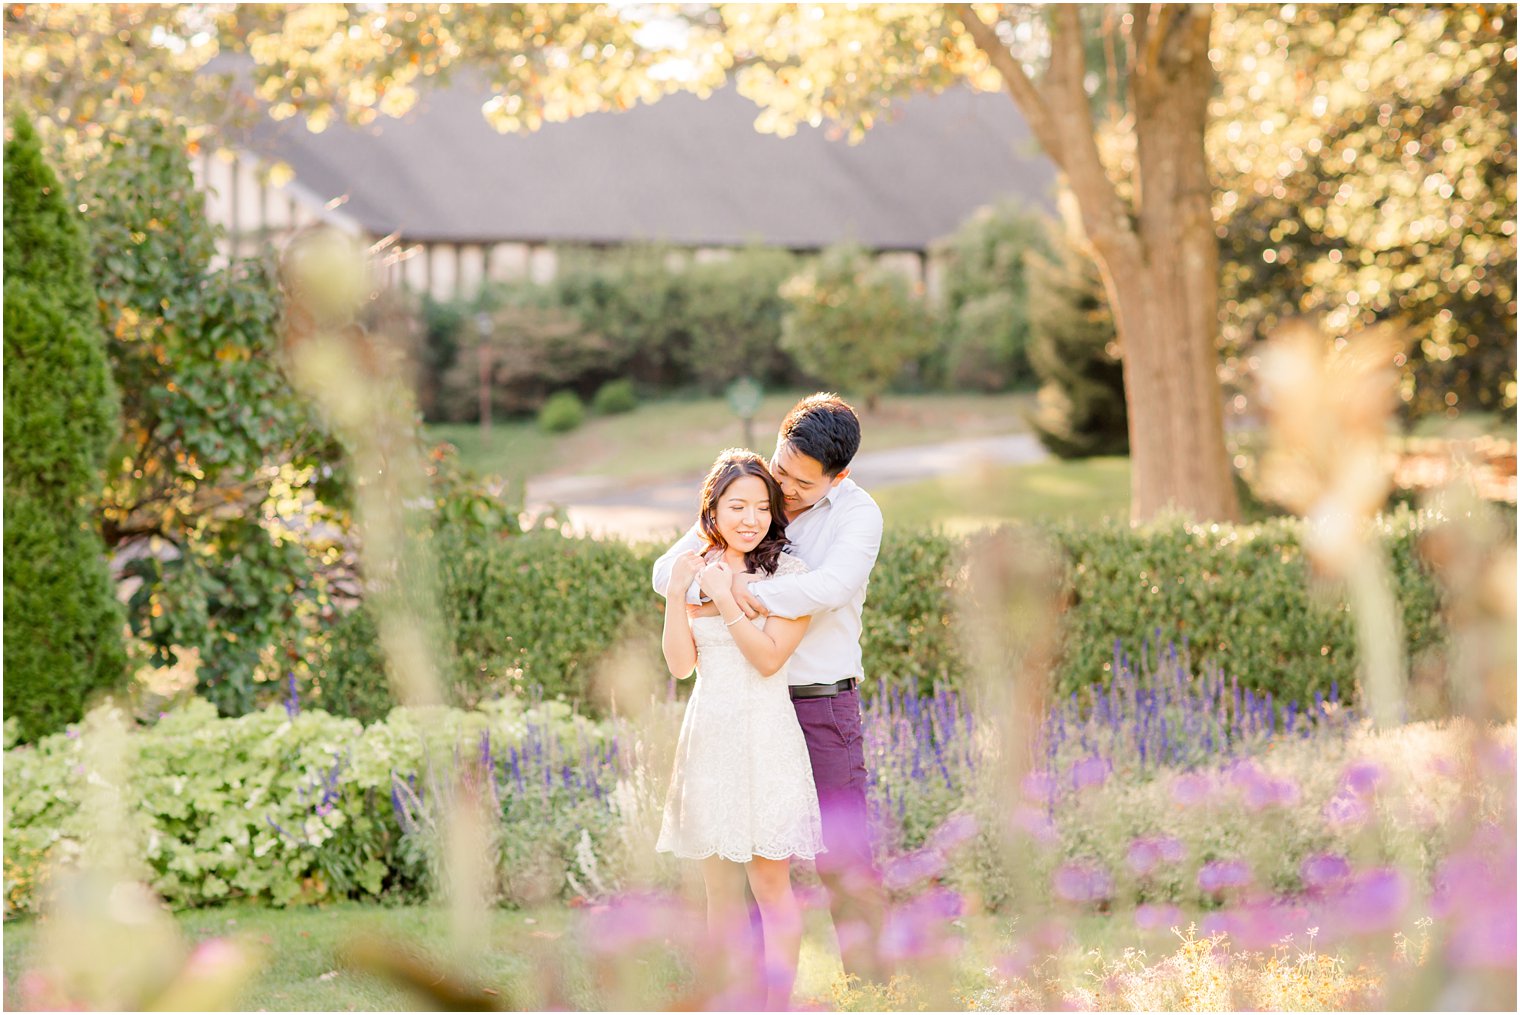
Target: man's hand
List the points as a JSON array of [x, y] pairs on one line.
[[683, 572], [745, 599], [717, 581]]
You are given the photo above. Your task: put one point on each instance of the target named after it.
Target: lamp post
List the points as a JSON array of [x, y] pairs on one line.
[[744, 398], [483, 327]]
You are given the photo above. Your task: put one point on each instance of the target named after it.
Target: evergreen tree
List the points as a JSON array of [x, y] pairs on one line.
[[1073, 348], [63, 625]]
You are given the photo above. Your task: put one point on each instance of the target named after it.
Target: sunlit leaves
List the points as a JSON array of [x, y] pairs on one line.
[[1366, 158]]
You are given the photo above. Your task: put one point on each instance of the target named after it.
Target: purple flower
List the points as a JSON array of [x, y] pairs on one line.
[[1083, 882], [1148, 853], [1362, 777], [1089, 772], [1370, 902], [1345, 809], [1324, 870], [1153, 917], [957, 830], [1036, 824], [1217, 875], [1258, 926], [1191, 789], [1475, 892], [911, 868], [1039, 785]]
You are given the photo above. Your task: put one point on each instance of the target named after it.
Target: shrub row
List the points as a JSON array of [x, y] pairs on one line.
[[542, 610]]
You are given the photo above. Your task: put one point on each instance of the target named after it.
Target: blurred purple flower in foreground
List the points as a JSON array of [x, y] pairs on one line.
[[1192, 789], [1368, 902], [1089, 772], [1475, 894], [1148, 853], [1324, 870], [1083, 882], [1149, 916], [1217, 875]]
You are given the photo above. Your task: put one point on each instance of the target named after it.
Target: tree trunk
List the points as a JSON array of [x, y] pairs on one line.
[[1165, 291], [1157, 250]]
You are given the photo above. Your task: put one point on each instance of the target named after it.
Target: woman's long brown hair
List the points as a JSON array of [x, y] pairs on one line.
[[729, 466]]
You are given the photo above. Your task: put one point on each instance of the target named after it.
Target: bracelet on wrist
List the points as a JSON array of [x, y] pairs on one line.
[[731, 623]]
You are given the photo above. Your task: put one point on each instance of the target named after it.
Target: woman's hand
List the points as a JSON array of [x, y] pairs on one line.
[[682, 573], [718, 582]]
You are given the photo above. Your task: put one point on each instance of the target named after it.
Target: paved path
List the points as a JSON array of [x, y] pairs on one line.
[[595, 506]]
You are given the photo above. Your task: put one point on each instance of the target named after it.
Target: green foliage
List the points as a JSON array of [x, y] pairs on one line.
[[562, 413], [734, 310], [985, 327], [638, 303], [534, 348], [1073, 350], [218, 457], [282, 808], [853, 325], [614, 398], [1239, 596], [1390, 201], [542, 611], [536, 613], [63, 625]]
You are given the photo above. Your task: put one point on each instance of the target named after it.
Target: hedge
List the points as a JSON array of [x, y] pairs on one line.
[[543, 610]]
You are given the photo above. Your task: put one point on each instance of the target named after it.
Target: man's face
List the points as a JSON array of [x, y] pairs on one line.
[[802, 479]]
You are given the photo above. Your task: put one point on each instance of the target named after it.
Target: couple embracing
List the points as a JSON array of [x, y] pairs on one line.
[[763, 600]]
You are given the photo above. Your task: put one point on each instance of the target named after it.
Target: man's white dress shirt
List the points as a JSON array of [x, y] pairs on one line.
[[838, 539]]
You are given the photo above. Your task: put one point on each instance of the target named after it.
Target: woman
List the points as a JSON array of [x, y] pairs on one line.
[[742, 798]]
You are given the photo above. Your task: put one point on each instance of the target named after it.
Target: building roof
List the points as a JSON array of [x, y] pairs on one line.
[[683, 170]]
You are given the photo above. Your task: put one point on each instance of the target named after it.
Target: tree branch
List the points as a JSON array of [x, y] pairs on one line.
[[1012, 72]]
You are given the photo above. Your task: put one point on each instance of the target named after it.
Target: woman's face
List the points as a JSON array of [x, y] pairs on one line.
[[744, 513]]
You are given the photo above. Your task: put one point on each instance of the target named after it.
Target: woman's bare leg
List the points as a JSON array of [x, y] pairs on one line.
[[727, 926], [771, 883]]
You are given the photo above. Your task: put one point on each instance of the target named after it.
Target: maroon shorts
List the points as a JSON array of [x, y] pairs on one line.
[[832, 728]]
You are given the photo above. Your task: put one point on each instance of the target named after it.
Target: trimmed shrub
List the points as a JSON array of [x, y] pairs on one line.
[[854, 325], [615, 398], [63, 625], [734, 309], [562, 413], [535, 613], [985, 326], [542, 610]]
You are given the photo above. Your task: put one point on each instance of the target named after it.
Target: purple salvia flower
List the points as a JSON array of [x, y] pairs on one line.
[[1217, 875]]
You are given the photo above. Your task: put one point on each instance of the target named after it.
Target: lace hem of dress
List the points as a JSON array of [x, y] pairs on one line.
[[792, 854]]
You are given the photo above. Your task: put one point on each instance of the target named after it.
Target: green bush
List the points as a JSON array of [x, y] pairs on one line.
[[562, 413], [286, 808], [734, 309], [535, 613], [985, 326], [63, 625], [542, 610], [615, 398], [854, 325], [1073, 348]]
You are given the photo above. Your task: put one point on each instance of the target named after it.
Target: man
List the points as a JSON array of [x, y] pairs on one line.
[[835, 527]]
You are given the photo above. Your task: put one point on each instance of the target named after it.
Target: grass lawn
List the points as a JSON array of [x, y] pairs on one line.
[[1084, 490], [302, 969], [659, 439], [303, 972]]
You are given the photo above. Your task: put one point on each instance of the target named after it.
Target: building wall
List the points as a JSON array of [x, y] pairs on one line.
[[255, 207]]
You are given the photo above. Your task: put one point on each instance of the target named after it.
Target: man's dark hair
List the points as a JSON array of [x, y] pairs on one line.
[[825, 428]]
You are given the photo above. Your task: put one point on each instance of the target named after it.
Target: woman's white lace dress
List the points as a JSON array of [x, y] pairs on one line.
[[743, 785]]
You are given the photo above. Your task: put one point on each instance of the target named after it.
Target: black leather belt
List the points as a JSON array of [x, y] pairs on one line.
[[823, 690]]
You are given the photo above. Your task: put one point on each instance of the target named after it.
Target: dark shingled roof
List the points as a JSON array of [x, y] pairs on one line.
[[683, 170]]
